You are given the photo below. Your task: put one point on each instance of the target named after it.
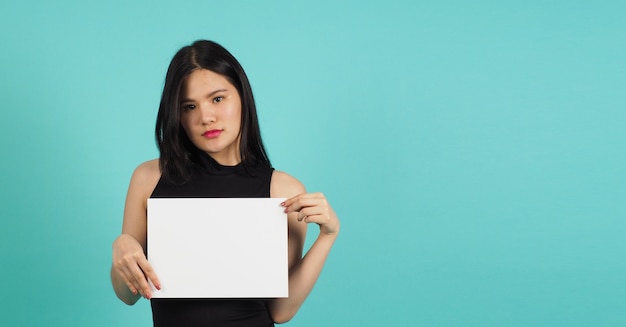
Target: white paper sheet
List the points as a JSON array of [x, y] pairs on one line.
[[218, 248]]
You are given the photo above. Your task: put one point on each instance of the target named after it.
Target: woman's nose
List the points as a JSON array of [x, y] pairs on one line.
[[207, 114]]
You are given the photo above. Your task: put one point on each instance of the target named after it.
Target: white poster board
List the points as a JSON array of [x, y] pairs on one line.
[[218, 247]]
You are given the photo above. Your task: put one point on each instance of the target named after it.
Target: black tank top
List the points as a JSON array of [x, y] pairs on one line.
[[209, 179]]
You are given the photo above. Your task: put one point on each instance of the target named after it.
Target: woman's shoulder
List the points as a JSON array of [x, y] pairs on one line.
[[284, 185], [148, 172]]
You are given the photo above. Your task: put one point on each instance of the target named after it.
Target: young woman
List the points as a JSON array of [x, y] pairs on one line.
[[210, 146]]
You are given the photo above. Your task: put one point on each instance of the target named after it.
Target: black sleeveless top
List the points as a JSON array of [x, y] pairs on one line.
[[209, 179]]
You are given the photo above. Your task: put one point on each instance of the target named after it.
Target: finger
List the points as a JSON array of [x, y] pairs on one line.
[[291, 200], [148, 271], [302, 203], [134, 274], [288, 202], [316, 219], [134, 283], [122, 268], [141, 282], [295, 198], [124, 273], [308, 211], [327, 225]]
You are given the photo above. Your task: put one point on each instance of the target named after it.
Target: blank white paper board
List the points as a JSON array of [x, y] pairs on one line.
[[218, 248]]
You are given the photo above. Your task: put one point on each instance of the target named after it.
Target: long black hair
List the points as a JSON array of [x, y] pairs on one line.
[[176, 150]]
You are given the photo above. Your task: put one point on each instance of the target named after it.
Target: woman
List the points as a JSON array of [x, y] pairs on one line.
[[210, 146]]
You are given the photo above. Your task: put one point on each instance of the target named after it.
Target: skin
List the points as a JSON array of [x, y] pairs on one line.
[[210, 102]]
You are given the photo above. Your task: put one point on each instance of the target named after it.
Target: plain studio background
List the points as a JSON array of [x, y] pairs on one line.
[[474, 151]]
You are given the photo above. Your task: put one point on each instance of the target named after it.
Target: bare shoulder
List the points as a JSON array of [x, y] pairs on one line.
[[284, 185], [146, 176], [142, 184], [148, 170]]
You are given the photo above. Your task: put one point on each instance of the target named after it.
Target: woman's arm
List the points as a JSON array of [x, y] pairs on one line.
[[131, 271], [302, 208]]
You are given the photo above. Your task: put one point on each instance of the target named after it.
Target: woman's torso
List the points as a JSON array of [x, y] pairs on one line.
[[212, 180]]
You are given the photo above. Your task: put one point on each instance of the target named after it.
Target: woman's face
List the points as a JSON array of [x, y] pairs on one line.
[[211, 115]]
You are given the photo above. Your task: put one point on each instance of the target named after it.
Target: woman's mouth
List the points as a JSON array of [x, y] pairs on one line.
[[212, 133]]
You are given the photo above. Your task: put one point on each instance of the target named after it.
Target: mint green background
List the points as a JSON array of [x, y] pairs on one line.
[[474, 151]]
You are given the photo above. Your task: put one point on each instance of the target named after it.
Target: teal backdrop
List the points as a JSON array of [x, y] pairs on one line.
[[474, 151]]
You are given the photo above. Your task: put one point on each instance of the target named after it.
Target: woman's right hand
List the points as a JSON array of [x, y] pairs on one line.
[[131, 265]]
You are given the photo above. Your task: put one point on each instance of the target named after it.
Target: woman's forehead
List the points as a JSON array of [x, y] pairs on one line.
[[201, 81]]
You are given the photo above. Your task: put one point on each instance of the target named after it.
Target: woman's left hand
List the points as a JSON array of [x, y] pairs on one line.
[[313, 208]]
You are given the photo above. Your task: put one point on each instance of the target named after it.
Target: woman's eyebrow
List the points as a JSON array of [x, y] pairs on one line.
[[208, 95]]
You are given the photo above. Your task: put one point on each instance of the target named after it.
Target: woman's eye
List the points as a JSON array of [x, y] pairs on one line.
[[218, 99], [189, 106]]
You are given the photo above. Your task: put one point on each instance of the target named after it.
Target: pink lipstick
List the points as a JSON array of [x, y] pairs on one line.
[[212, 133]]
